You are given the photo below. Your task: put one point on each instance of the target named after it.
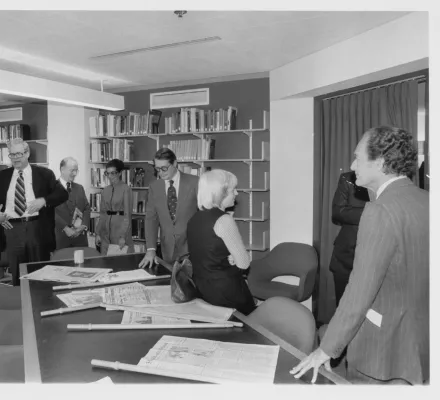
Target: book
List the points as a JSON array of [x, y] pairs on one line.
[[77, 218]]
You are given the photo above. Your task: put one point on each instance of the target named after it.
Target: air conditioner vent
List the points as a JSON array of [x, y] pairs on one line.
[[181, 98]]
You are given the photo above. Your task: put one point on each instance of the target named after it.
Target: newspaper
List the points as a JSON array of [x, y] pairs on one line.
[[67, 274], [122, 276], [138, 318], [227, 362], [195, 308], [114, 249], [128, 294]]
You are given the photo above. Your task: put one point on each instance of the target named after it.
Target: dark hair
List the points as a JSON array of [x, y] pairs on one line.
[[395, 146], [118, 164], [165, 154]]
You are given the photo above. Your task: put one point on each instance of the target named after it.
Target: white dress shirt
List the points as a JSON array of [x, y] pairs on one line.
[[384, 185], [64, 183], [30, 196]]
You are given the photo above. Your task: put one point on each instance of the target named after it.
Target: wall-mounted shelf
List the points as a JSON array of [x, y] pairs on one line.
[[264, 215], [265, 245]]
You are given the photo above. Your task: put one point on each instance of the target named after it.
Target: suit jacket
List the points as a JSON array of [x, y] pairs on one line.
[[347, 207], [172, 236], [44, 185], [383, 315], [64, 214]]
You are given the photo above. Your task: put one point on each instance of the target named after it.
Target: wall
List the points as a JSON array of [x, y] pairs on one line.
[[67, 137], [398, 47]]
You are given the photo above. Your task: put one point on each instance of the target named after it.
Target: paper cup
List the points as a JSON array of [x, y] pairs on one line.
[[78, 256]]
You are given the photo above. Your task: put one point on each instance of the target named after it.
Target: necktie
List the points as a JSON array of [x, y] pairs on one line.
[[172, 201], [20, 195], [69, 189]]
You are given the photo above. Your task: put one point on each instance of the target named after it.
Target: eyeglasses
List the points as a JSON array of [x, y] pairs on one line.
[[16, 155], [163, 169], [111, 173]]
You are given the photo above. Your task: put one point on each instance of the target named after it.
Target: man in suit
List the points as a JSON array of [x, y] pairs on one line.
[[172, 201], [347, 206], [29, 195], [67, 233], [383, 315]]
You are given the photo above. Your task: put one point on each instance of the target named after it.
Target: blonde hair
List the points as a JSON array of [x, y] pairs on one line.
[[213, 188], [18, 141]]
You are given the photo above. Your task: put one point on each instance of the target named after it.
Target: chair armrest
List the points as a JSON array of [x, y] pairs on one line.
[[306, 285]]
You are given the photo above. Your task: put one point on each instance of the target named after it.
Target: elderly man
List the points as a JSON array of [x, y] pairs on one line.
[[72, 217], [383, 315], [172, 201], [29, 195]]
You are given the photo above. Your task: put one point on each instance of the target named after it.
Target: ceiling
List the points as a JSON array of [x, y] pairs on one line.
[[58, 45]]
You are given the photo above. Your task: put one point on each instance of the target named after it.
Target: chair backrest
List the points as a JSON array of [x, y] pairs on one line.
[[67, 253], [294, 257], [289, 320]]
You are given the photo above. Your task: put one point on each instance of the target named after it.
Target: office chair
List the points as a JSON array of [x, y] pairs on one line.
[[289, 320], [284, 260], [11, 364], [67, 253]]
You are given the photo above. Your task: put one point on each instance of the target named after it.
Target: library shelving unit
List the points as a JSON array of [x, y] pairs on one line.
[[245, 152], [38, 149]]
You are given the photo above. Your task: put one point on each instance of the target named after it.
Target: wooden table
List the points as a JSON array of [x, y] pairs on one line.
[[53, 354]]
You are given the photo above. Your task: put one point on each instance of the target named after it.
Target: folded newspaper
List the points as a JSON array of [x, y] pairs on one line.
[[224, 362], [59, 273]]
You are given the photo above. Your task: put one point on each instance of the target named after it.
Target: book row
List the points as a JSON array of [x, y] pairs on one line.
[[132, 124], [190, 120], [8, 132], [187, 150], [107, 150]]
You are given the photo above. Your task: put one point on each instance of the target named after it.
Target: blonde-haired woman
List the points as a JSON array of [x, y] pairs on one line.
[[216, 248]]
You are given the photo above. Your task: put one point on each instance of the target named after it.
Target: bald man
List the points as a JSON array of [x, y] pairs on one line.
[[69, 233]]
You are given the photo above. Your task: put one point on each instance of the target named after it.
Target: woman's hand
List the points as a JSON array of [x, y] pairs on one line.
[[98, 240], [121, 243], [231, 259]]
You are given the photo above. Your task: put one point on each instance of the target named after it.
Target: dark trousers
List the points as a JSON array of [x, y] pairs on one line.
[[23, 246]]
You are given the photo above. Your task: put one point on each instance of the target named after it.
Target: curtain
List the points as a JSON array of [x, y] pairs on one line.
[[344, 119]]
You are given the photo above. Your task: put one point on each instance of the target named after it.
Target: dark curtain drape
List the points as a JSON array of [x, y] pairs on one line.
[[344, 119]]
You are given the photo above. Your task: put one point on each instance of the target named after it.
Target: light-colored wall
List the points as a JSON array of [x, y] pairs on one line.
[[398, 47], [67, 136]]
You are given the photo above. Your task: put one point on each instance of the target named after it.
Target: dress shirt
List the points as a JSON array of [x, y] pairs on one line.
[[30, 196], [64, 183], [384, 185]]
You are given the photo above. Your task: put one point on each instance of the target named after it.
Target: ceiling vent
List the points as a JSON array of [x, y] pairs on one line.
[[11, 114], [180, 98], [158, 47]]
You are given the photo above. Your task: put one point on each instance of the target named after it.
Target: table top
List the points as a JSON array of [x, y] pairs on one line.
[[55, 355]]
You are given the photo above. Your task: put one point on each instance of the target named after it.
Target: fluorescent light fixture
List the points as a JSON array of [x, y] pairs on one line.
[[44, 89]]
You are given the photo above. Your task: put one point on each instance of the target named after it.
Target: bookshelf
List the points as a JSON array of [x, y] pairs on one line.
[[38, 147], [244, 152]]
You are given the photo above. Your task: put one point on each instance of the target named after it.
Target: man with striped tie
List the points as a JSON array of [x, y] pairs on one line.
[[29, 195]]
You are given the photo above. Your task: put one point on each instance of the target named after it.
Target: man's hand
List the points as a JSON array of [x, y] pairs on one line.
[[69, 231], [78, 231], [36, 205], [121, 243], [149, 259], [313, 360], [4, 219], [98, 240]]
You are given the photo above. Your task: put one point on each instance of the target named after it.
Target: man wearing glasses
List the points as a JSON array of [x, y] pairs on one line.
[[172, 201], [28, 197]]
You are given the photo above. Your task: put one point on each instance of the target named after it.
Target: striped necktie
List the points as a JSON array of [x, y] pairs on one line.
[[69, 188], [20, 195]]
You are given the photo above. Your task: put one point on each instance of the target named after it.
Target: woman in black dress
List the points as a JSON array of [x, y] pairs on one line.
[[216, 249]]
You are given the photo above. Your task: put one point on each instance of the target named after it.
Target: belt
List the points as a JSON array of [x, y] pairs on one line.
[[115, 212], [23, 219]]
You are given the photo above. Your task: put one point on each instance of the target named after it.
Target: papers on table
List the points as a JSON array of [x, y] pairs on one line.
[[222, 361], [105, 380], [122, 276], [67, 274], [130, 294], [192, 310], [138, 318], [114, 249]]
